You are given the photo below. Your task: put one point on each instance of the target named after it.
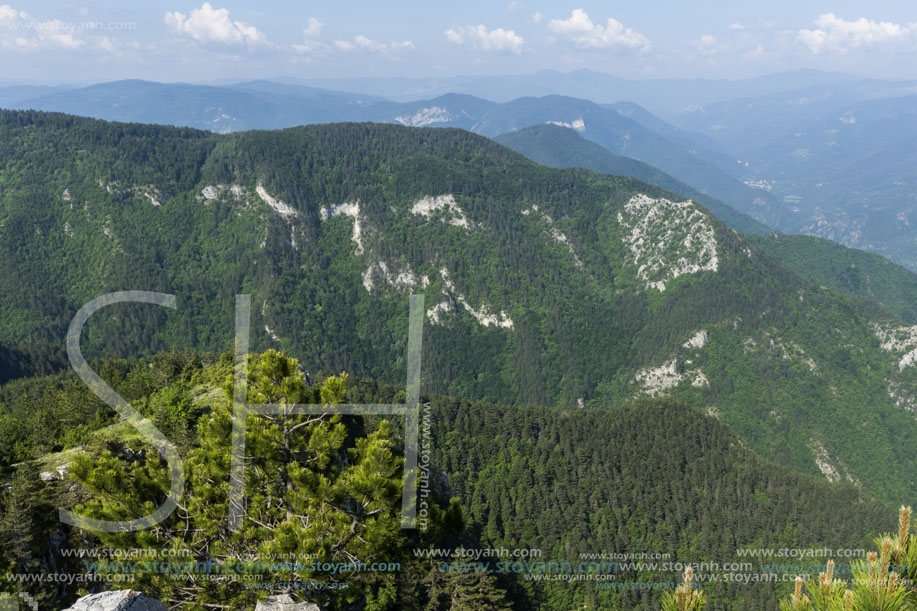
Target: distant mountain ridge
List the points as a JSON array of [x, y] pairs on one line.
[[662, 96], [838, 158], [266, 105], [812, 152], [562, 147], [843, 269], [605, 126], [252, 105]]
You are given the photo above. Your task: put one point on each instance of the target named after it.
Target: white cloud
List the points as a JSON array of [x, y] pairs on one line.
[[117, 48], [56, 34], [756, 53], [108, 45], [314, 29], [833, 34], [585, 34], [8, 14], [311, 46], [736, 27], [27, 34], [364, 43], [514, 5], [537, 17], [312, 43], [706, 45], [208, 25], [21, 32], [368, 44], [479, 37]]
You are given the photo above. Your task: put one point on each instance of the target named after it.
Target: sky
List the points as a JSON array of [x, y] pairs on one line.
[[51, 42]]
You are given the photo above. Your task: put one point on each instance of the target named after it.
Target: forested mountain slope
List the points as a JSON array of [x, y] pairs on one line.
[[562, 147], [269, 105], [843, 269], [541, 286], [653, 477], [847, 270], [594, 491], [605, 126]]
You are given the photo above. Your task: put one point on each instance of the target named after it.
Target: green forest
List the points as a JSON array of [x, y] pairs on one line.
[[654, 475], [608, 369]]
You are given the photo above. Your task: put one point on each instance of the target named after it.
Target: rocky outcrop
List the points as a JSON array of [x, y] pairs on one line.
[[668, 239], [119, 600], [129, 600], [284, 602]]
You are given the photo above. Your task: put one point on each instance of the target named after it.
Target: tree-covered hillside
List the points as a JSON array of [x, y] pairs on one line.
[[626, 130], [846, 270], [594, 491], [652, 477], [541, 286], [561, 147], [828, 264], [621, 135]]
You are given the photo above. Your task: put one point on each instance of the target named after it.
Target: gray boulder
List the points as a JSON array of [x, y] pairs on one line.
[[284, 602], [119, 600]]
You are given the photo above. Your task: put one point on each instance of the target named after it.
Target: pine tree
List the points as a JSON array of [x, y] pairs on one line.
[[463, 590], [308, 497], [21, 530], [826, 594], [686, 596], [881, 582], [19, 518]]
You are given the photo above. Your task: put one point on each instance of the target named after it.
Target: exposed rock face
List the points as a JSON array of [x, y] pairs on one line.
[[285, 603], [278, 206], [429, 206], [129, 600], [657, 381], [668, 239], [482, 314], [427, 116], [351, 209], [119, 600]]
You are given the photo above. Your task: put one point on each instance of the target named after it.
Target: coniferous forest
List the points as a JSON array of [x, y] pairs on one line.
[[614, 384]]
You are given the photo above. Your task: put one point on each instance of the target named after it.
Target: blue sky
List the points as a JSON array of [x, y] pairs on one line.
[[179, 40]]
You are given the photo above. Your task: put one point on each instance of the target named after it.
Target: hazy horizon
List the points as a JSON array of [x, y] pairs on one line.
[[293, 79]]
